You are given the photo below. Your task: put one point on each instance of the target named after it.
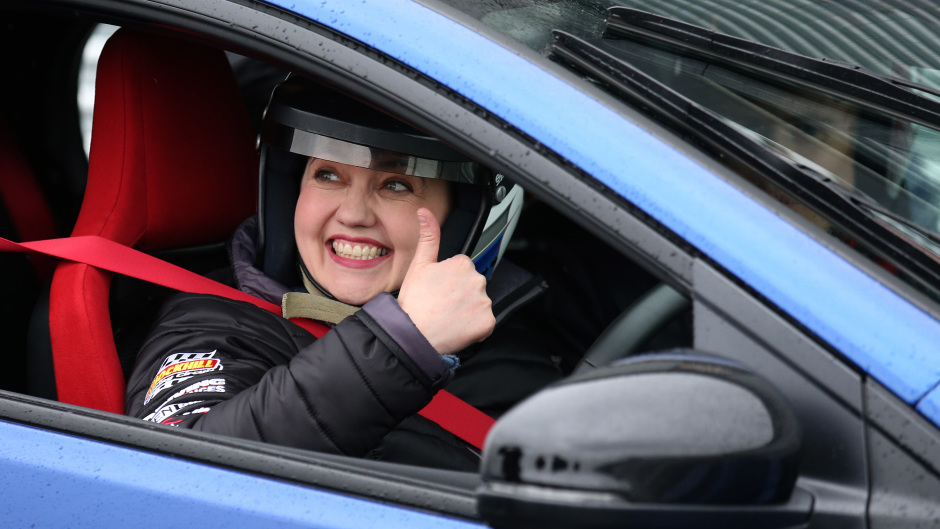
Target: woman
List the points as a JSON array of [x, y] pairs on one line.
[[363, 223]]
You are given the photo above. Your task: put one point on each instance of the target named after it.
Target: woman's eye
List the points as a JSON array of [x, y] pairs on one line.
[[326, 176], [397, 187]]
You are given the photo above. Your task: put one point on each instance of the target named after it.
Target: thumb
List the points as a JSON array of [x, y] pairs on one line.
[[429, 239]]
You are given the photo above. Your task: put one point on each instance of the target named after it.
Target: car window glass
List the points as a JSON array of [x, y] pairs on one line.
[[880, 170]]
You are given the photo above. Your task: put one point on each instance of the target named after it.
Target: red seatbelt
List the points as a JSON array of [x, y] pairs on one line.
[[445, 409]]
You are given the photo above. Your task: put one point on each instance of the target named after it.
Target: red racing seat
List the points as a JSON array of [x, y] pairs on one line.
[[172, 165]]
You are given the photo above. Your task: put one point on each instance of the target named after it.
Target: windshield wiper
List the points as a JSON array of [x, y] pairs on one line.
[[879, 92], [929, 239], [852, 215]]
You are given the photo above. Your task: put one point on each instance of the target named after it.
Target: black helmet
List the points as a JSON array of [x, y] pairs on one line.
[[308, 120]]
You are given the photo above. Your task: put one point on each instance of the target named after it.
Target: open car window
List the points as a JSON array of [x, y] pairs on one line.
[[589, 281]]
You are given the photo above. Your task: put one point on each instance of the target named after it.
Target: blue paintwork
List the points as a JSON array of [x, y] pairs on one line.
[[929, 406], [881, 332], [54, 480]]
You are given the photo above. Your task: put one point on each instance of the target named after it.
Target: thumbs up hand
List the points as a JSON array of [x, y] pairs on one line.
[[446, 300]]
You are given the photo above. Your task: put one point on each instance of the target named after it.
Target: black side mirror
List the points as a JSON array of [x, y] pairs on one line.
[[677, 439]]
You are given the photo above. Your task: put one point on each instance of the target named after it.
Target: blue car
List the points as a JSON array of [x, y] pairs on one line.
[[735, 205]]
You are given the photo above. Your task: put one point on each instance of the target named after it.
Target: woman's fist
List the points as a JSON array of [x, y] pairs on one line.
[[446, 300]]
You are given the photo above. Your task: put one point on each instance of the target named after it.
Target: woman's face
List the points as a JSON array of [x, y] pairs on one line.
[[357, 229]]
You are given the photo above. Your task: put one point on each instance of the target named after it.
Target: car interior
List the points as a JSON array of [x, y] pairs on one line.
[[171, 171]]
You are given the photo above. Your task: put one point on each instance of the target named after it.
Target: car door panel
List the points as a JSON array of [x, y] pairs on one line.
[[57, 480]]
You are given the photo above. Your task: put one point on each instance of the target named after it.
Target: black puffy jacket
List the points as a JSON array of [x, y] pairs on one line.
[[228, 367]]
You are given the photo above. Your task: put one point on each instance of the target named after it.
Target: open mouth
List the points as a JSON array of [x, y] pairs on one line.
[[358, 251]]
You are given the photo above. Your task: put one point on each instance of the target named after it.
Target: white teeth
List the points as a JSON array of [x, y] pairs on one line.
[[358, 252]]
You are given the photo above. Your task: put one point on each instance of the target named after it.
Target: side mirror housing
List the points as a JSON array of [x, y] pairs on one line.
[[659, 440]]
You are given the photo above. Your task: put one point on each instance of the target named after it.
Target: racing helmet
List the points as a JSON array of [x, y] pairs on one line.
[[305, 119]]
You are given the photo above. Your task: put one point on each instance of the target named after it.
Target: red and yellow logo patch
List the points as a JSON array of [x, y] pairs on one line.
[[184, 367]]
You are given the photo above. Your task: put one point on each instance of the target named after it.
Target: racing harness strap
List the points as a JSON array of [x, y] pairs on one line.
[[445, 409]]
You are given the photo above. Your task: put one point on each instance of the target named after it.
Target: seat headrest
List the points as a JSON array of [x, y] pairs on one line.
[[162, 170]]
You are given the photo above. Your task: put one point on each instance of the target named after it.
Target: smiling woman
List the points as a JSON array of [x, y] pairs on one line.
[[383, 219]]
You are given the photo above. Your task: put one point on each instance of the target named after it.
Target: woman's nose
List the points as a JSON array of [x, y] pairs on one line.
[[355, 209]]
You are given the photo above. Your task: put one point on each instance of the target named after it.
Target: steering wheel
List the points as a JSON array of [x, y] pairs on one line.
[[634, 327]]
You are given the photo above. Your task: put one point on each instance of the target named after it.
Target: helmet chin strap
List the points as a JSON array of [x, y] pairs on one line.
[[314, 287], [319, 306], [311, 284]]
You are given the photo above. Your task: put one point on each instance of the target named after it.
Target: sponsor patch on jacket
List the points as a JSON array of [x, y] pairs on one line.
[[213, 385], [164, 414], [179, 367]]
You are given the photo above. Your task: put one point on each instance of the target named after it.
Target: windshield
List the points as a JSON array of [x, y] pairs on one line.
[[886, 160]]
